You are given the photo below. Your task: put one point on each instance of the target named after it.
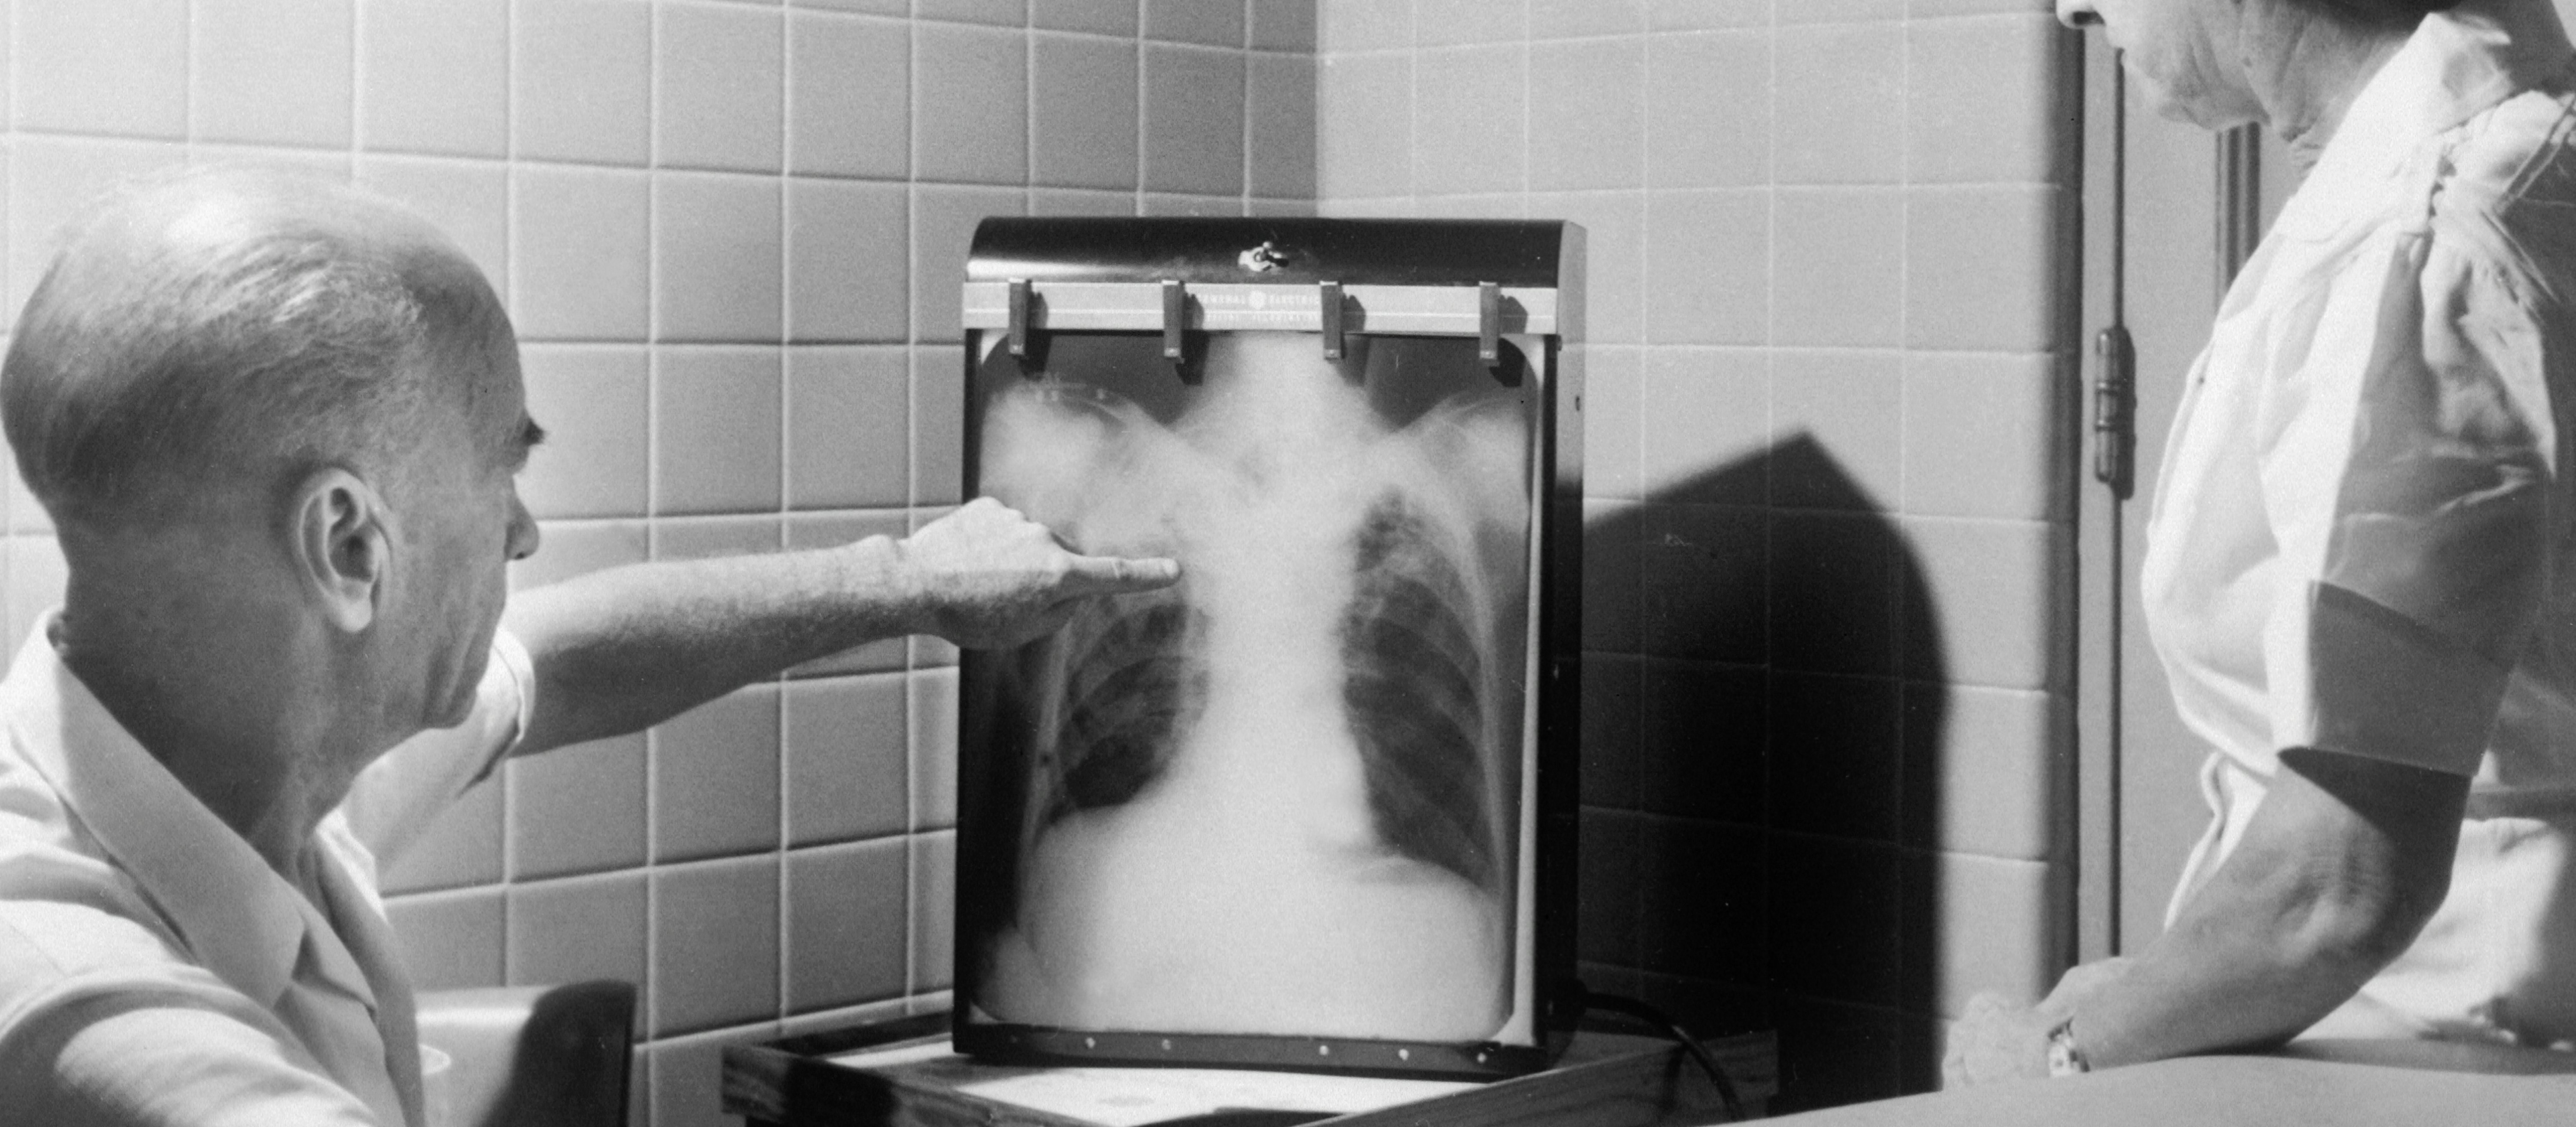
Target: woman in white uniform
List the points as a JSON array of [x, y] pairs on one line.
[[2359, 570]]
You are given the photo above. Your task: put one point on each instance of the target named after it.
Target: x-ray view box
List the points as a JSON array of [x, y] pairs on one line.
[[1315, 806]]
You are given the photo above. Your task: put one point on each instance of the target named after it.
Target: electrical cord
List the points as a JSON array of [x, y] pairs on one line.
[[1663, 1023]]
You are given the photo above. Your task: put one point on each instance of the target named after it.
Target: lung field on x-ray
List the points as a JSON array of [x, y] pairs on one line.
[[1283, 796], [1415, 689], [1126, 697]]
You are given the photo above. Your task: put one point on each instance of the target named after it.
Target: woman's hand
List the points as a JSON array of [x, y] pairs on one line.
[[1996, 1040]]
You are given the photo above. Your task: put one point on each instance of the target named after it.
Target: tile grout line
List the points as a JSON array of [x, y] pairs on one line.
[[1243, 170], [653, 906], [1899, 603], [1144, 126], [914, 372], [503, 774], [787, 229], [1767, 851], [10, 488]]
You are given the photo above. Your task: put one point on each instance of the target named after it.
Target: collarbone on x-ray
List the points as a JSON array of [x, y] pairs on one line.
[[1282, 797]]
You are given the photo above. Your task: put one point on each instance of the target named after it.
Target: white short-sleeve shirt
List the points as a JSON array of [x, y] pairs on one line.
[[126, 905], [2360, 541]]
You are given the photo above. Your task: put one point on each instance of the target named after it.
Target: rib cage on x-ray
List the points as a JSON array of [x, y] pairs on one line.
[[1414, 682], [1282, 796], [1413, 687]]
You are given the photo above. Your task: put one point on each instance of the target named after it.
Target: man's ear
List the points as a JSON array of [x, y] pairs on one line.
[[341, 549]]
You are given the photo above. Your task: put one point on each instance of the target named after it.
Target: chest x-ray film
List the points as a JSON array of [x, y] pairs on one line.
[[1282, 809]]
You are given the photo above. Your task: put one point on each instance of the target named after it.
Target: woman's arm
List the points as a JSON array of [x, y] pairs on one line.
[[2339, 869]]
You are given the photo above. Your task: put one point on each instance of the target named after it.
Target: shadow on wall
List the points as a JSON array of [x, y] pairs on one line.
[[1774, 833]]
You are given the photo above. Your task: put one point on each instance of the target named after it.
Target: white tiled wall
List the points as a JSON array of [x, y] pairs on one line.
[[1828, 472], [730, 235]]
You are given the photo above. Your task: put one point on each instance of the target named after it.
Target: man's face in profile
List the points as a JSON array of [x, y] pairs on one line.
[[459, 523]]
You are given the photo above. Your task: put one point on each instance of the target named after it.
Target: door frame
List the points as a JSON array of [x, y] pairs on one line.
[[2202, 202], [2098, 533]]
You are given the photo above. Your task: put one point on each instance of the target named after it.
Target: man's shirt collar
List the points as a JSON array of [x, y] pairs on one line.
[[238, 917], [2458, 64]]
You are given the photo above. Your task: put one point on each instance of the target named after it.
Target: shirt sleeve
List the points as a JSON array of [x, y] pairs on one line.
[[2407, 467], [405, 789], [145, 1043]]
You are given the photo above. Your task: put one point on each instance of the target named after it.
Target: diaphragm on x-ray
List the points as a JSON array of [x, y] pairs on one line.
[[1284, 796]]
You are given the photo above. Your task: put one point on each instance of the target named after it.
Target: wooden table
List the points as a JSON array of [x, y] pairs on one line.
[[1605, 1079]]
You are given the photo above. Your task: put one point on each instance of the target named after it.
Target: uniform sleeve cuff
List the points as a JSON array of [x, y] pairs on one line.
[[2369, 681], [510, 659]]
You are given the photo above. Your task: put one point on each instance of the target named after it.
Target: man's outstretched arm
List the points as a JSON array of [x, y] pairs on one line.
[[620, 650]]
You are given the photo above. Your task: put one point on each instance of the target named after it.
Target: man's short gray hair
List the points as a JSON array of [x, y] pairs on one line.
[[229, 326]]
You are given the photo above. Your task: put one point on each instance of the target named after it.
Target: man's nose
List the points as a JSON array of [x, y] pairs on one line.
[[523, 530], [2077, 14]]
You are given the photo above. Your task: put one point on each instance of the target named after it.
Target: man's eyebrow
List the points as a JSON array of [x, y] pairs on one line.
[[530, 436]]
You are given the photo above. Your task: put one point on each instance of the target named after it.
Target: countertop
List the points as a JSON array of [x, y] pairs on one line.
[[2361, 1084]]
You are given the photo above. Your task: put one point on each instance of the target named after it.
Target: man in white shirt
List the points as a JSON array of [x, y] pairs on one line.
[[2359, 571], [276, 423]]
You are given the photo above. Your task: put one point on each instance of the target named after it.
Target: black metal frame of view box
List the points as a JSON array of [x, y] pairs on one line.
[[1315, 807]]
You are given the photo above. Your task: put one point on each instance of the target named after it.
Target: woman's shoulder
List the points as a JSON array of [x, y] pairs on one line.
[[2503, 205], [2521, 150]]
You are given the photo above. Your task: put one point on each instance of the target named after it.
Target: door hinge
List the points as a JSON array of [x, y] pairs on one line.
[[2115, 411]]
